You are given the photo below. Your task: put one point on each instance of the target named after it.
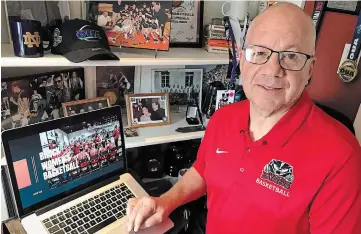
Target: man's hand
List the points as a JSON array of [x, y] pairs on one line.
[[146, 212]]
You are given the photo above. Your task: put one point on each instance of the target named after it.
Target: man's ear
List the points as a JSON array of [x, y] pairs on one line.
[[312, 66], [241, 60]]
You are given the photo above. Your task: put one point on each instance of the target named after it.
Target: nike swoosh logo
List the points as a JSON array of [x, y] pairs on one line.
[[221, 151]]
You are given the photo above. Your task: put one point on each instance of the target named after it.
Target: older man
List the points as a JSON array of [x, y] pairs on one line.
[[278, 164]]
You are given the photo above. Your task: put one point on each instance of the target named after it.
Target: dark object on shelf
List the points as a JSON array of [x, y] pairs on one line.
[[191, 114], [28, 37], [338, 116], [174, 161], [157, 187], [191, 153], [191, 129], [209, 98], [79, 40], [240, 95], [152, 161]]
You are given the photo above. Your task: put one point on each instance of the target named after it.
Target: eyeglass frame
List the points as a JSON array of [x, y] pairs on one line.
[[308, 56]]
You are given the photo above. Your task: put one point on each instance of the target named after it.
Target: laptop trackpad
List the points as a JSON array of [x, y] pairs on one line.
[[157, 229]]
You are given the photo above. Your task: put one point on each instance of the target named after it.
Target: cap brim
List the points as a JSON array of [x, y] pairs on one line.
[[77, 56]]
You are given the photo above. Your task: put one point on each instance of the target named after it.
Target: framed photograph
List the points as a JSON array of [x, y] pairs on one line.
[[114, 83], [187, 24], [179, 83], [148, 109], [36, 98], [83, 106], [49, 13], [136, 24], [347, 7]]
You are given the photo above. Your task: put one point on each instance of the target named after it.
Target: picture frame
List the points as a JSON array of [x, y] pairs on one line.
[[36, 98], [83, 106], [346, 7], [148, 109], [179, 83], [49, 13], [118, 80], [133, 23], [186, 14]]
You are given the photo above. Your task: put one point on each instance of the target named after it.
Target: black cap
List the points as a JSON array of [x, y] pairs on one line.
[[79, 40]]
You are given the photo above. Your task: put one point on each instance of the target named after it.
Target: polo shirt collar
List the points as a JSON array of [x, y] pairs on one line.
[[280, 134]]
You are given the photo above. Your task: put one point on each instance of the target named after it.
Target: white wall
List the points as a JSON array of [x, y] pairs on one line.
[[357, 125]]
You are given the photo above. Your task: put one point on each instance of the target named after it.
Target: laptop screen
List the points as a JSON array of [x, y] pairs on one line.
[[66, 155]]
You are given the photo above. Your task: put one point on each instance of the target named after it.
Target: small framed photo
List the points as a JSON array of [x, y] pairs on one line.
[[83, 106], [148, 109]]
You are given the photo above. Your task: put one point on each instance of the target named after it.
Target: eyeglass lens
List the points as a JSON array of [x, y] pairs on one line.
[[288, 60]]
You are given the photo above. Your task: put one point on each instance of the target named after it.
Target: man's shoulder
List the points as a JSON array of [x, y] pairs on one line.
[[330, 133]]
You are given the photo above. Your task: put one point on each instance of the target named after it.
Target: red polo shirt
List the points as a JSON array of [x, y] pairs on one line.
[[304, 176]]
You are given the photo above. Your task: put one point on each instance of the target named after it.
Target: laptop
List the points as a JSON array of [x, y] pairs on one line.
[[69, 175]]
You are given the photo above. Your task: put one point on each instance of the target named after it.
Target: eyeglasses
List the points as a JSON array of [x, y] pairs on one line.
[[288, 60]]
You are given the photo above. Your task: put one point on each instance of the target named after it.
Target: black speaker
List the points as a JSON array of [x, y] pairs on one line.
[[152, 161]]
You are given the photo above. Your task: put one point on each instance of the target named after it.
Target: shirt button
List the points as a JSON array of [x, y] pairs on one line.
[[248, 150], [241, 169]]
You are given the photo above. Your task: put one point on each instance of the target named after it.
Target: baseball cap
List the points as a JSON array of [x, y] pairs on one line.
[[79, 40]]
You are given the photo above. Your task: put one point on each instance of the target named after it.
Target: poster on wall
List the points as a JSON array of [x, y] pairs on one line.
[[179, 83], [114, 83], [137, 24], [186, 22], [36, 98]]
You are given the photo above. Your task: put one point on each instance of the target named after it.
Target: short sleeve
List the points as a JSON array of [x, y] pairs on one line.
[[337, 206], [207, 142]]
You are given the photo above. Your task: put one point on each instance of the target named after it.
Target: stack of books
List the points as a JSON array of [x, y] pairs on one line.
[[215, 39]]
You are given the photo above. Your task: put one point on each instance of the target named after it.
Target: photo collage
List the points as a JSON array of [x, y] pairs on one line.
[[138, 24], [36, 98]]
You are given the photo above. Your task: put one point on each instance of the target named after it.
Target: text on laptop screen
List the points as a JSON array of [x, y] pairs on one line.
[[58, 160]]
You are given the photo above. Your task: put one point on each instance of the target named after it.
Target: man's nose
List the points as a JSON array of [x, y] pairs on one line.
[[272, 68]]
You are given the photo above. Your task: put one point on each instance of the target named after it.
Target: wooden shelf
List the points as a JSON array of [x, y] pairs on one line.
[[162, 134], [128, 57]]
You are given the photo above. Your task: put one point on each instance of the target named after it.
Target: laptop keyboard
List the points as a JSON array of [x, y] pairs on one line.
[[91, 215]]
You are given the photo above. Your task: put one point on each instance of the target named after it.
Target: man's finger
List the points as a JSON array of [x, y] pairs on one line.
[[134, 214], [143, 213], [131, 204], [152, 220]]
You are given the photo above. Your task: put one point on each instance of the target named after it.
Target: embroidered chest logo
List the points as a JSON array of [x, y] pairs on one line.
[[279, 173], [31, 39]]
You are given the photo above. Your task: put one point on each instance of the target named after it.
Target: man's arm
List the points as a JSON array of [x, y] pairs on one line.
[[191, 187], [337, 206], [147, 211]]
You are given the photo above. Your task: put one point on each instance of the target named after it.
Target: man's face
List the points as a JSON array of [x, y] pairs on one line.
[[15, 89], [58, 83], [270, 87], [105, 14], [154, 106]]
